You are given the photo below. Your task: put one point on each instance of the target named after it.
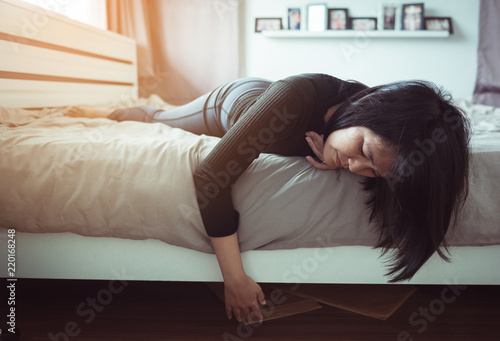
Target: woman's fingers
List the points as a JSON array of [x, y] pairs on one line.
[[247, 315], [256, 314], [261, 297], [253, 314], [245, 312], [237, 314], [229, 311], [316, 137], [314, 147], [318, 165], [315, 141]]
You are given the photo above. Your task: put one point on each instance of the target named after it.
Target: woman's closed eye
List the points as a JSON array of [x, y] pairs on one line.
[[361, 151]]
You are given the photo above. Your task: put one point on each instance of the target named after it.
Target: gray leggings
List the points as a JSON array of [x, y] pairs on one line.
[[209, 114]]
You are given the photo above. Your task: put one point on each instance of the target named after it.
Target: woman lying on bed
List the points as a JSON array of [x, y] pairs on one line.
[[406, 138]]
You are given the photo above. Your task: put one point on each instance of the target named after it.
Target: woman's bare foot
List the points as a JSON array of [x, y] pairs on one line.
[[83, 111]]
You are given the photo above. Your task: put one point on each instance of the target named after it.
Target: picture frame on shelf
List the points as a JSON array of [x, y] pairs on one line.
[[272, 24], [338, 19], [438, 24], [294, 18], [363, 23], [412, 16], [388, 15], [316, 17]]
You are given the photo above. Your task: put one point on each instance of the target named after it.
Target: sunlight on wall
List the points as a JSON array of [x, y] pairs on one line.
[[91, 12]]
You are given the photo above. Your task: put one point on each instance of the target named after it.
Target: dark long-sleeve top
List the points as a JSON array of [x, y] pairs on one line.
[[273, 122]]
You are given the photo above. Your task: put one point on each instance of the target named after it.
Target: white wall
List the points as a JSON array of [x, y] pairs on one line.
[[449, 62]]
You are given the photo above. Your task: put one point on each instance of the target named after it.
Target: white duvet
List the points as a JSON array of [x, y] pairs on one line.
[[97, 177]]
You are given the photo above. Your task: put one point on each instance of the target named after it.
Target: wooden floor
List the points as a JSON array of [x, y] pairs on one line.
[[103, 310]]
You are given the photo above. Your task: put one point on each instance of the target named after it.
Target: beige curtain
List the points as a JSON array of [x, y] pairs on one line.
[[185, 47]]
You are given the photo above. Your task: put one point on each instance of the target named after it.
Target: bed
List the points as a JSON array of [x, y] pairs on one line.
[[97, 199]]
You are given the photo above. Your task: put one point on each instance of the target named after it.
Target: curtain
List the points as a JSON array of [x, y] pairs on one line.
[[487, 89], [185, 47]]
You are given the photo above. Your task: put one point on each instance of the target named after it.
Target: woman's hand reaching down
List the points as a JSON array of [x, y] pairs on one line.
[[242, 297], [242, 294]]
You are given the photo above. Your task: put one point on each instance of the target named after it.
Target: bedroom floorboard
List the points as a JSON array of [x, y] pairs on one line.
[[140, 310]]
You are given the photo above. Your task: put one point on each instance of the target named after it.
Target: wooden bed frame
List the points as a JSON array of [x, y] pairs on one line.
[[49, 60]]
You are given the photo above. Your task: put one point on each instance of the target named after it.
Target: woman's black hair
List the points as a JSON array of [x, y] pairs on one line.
[[415, 205]]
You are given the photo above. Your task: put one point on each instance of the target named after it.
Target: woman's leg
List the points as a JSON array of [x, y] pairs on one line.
[[85, 111], [210, 114], [188, 116]]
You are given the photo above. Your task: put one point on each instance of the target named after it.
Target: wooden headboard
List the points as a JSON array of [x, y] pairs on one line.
[[49, 60]]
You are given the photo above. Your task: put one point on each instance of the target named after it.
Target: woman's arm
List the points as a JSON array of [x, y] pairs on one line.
[[276, 113], [242, 294]]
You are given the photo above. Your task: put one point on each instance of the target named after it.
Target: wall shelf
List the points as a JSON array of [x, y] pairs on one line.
[[354, 34]]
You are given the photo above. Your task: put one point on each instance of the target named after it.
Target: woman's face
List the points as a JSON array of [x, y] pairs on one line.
[[359, 150]]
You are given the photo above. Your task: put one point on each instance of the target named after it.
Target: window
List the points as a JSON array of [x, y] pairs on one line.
[[91, 12]]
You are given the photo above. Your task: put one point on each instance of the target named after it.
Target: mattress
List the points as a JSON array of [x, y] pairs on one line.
[[133, 180]]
